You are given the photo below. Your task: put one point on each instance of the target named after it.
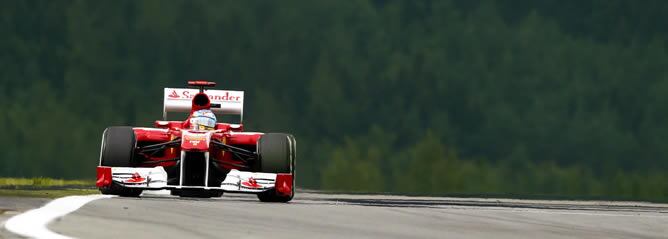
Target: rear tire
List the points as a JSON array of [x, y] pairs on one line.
[[118, 145], [276, 155]]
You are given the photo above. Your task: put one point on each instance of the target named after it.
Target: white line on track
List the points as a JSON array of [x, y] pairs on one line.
[[33, 223]]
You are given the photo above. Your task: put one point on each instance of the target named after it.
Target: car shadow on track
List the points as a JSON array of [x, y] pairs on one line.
[[226, 197]]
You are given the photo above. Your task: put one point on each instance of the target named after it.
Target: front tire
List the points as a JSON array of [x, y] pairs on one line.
[[118, 145], [277, 155]]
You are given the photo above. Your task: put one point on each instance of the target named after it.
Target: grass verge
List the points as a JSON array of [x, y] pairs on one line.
[[46, 193], [45, 187], [43, 182]]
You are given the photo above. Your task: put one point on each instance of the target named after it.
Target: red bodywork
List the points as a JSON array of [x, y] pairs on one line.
[[166, 131]]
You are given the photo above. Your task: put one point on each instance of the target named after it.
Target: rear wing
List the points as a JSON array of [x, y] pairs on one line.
[[223, 102]]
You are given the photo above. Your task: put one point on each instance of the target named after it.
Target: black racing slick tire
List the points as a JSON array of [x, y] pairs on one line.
[[277, 153], [118, 145]]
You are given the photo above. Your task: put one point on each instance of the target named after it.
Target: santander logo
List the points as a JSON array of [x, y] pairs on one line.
[[251, 183], [174, 95], [136, 178], [183, 94]]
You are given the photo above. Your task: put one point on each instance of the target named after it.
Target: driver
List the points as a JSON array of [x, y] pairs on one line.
[[203, 120]]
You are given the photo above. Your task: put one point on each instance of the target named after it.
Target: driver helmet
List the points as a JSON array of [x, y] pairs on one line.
[[203, 120]]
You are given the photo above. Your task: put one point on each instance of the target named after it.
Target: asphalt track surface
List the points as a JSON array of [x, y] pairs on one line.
[[316, 215]]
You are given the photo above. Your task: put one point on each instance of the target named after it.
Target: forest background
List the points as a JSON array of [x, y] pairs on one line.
[[563, 98]]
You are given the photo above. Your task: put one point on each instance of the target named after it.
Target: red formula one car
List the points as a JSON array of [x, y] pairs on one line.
[[198, 157]]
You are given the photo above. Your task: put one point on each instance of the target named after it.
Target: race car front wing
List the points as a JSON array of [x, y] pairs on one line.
[[156, 179]]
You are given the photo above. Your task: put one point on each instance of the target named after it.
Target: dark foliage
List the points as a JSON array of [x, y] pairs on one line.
[[525, 97]]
